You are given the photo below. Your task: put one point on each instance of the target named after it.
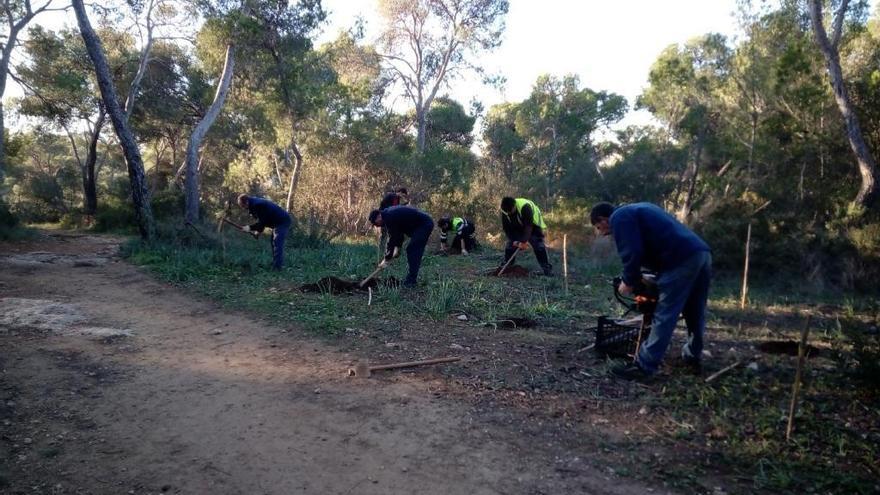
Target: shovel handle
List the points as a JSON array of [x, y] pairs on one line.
[[370, 276], [239, 227], [512, 257]]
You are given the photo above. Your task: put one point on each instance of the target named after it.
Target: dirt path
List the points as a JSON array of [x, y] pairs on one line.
[[111, 382]]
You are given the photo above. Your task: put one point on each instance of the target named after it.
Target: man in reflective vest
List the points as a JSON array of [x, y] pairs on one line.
[[465, 233], [524, 225]]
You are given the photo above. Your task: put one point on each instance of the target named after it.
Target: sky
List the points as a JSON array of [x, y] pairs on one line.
[[610, 45]]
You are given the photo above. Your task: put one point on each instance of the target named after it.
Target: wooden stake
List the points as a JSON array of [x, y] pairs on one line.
[[745, 286], [565, 261], [802, 352]]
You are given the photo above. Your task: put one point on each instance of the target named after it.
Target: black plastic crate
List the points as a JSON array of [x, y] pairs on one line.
[[616, 340]]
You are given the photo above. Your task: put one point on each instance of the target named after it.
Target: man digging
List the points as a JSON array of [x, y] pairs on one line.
[[404, 221], [646, 236], [523, 224], [268, 214]]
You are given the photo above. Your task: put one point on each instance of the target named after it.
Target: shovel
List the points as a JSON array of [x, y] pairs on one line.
[[239, 227], [512, 257], [370, 276]]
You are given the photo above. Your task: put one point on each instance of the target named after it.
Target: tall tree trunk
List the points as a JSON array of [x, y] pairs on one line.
[[422, 122], [195, 140], [868, 191], [90, 189], [294, 176], [691, 179], [140, 195]]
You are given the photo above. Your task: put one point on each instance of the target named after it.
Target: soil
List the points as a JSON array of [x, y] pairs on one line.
[[339, 286], [512, 271], [787, 347], [112, 382]]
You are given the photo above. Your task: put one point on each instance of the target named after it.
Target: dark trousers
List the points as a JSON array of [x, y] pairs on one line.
[[537, 242], [467, 238], [279, 233], [414, 251]]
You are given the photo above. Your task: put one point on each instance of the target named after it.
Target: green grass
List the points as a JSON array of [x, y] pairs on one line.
[[233, 268]]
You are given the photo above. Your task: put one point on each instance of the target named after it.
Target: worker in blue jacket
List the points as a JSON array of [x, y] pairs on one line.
[[649, 237], [268, 214], [404, 221]]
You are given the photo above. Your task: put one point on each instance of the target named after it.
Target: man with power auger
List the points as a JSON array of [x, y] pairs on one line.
[[647, 236]]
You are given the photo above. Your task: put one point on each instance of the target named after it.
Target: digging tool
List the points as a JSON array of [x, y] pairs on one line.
[[370, 276], [512, 257], [203, 236], [376, 271], [239, 227], [364, 370]]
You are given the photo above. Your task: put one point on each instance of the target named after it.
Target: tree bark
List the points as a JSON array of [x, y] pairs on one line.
[[868, 191], [195, 140], [140, 195], [294, 176], [90, 189], [685, 210]]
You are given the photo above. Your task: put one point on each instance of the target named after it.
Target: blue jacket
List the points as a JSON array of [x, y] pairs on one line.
[[267, 213], [647, 236], [403, 220]]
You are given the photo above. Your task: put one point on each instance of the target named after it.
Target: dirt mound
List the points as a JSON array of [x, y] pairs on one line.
[[512, 271], [335, 285], [788, 347]]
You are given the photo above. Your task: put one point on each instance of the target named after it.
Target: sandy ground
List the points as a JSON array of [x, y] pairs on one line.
[[111, 382]]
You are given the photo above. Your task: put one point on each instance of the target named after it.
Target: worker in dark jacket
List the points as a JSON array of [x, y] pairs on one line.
[[396, 198], [404, 221], [649, 237], [524, 225], [268, 214], [465, 233]]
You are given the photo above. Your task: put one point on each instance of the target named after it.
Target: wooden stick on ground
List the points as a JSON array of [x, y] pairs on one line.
[[802, 354], [587, 348], [364, 370], [722, 371]]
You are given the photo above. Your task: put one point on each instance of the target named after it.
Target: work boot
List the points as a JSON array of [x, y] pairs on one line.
[[548, 270], [632, 372]]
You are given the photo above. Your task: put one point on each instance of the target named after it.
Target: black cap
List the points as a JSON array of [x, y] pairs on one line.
[[507, 203], [603, 209], [373, 215]]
